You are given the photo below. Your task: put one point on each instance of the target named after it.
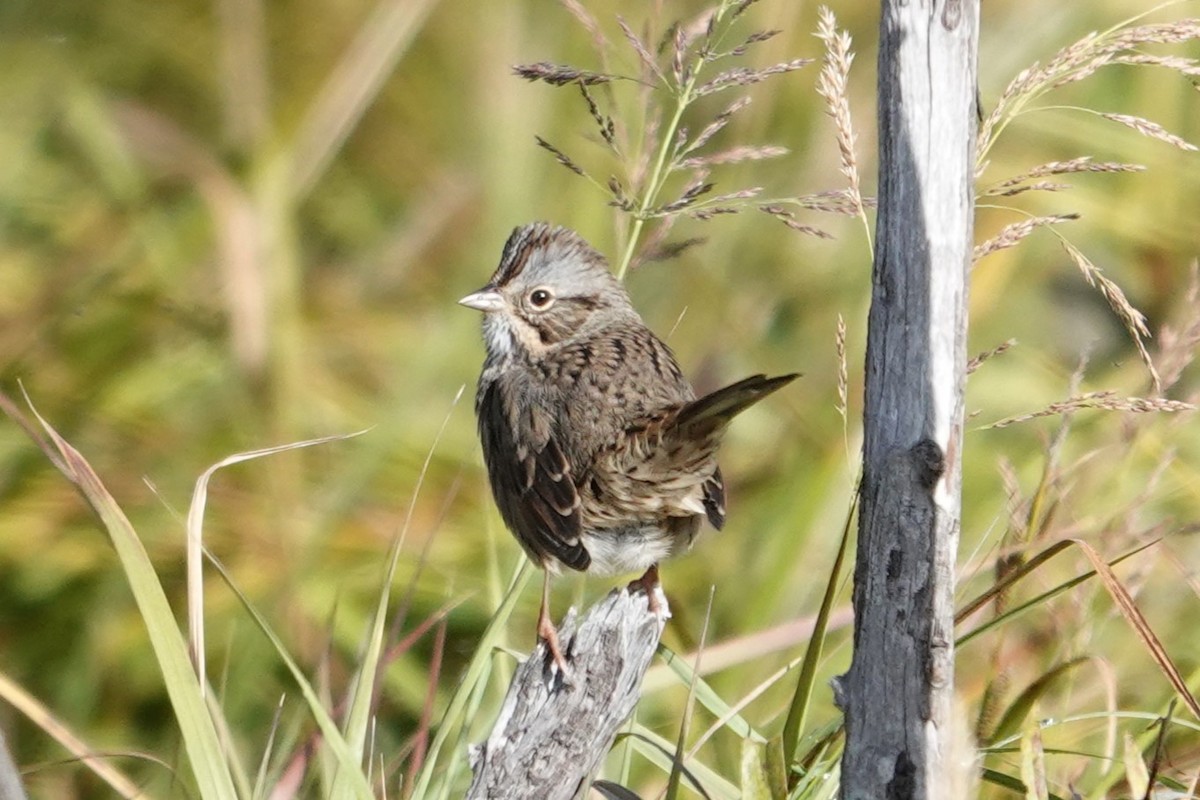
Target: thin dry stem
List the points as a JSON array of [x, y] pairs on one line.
[[843, 373], [999, 349], [734, 155], [707, 212], [1152, 129], [741, 7], [1036, 186], [649, 63], [560, 156], [1134, 320], [695, 188], [1012, 235], [604, 123], [788, 218], [832, 87], [620, 198], [1118, 45], [560, 74], [1017, 517], [589, 23], [837, 201], [752, 39], [1177, 345], [1184, 66], [1105, 400], [1072, 166], [745, 76], [719, 122], [679, 70]]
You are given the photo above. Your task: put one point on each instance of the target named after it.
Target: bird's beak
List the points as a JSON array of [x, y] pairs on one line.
[[486, 299]]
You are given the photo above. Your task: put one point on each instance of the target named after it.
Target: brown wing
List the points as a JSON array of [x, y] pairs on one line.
[[532, 482], [666, 462]]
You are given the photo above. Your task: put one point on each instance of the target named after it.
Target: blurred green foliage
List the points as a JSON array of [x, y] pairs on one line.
[[204, 249]]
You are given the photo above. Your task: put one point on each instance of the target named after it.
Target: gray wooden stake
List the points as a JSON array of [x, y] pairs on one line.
[[10, 776], [550, 737], [897, 696]]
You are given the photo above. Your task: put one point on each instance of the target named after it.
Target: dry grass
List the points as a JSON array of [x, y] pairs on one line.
[[1012, 235], [1152, 129], [1105, 400], [832, 87], [1178, 343], [1133, 320], [178, 287], [1021, 183], [1120, 45], [645, 180], [977, 361]]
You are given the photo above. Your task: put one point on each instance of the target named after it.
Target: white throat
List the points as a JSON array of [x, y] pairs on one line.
[[498, 333]]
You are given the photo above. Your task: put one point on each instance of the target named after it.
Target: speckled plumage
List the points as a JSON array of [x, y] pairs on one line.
[[600, 457]]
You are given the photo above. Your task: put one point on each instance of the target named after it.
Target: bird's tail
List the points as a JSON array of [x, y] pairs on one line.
[[716, 409]]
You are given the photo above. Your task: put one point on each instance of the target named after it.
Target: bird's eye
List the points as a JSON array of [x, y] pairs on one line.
[[541, 298]]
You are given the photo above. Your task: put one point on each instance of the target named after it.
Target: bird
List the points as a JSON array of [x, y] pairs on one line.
[[600, 457]]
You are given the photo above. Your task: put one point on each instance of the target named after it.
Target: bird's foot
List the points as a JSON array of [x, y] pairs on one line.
[[549, 634], [656, 599]]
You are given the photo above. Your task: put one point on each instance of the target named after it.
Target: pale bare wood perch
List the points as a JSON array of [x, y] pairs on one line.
[[550, 737], [10, 776]]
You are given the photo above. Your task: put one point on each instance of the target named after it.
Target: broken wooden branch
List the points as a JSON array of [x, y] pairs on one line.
[[552, 734]]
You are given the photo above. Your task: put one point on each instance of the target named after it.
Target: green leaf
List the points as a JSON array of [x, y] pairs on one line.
[[661, 753], [1015, 715], [755, 777], [477, 672], [802, 697], [614, 791], [707, 696], [352, 781], [205, 753]]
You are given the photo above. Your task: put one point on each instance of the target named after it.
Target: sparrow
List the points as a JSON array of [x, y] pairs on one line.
[[600, 456]]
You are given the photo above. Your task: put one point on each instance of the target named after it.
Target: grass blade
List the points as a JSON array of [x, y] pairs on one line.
[[363, 690], [195, 541], [1014, 715], [798, 713], [660, 752], [1016, 575], [689, 707], [44, 718], [339, 748], [355, 81], [475, 670], [209, 768], [1141, 627], [708, 697]]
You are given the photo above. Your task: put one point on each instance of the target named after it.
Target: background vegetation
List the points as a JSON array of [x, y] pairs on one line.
[[205, 248]]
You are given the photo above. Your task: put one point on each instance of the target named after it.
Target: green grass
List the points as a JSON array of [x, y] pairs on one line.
[[202, 257]]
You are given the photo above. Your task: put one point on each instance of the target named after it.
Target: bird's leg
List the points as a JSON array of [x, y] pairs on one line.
[[648, 583], [546, 630]]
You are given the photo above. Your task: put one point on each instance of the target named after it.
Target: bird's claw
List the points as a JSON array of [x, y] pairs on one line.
[[548, 634], [656, 599]]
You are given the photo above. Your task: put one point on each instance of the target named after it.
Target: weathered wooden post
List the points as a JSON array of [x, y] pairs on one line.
[[897, 695]]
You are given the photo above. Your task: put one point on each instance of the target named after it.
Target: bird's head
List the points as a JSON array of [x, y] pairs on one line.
[[550, 286]]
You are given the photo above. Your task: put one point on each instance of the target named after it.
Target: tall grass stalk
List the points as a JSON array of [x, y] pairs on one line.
[[476, 674], [207, 757]]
